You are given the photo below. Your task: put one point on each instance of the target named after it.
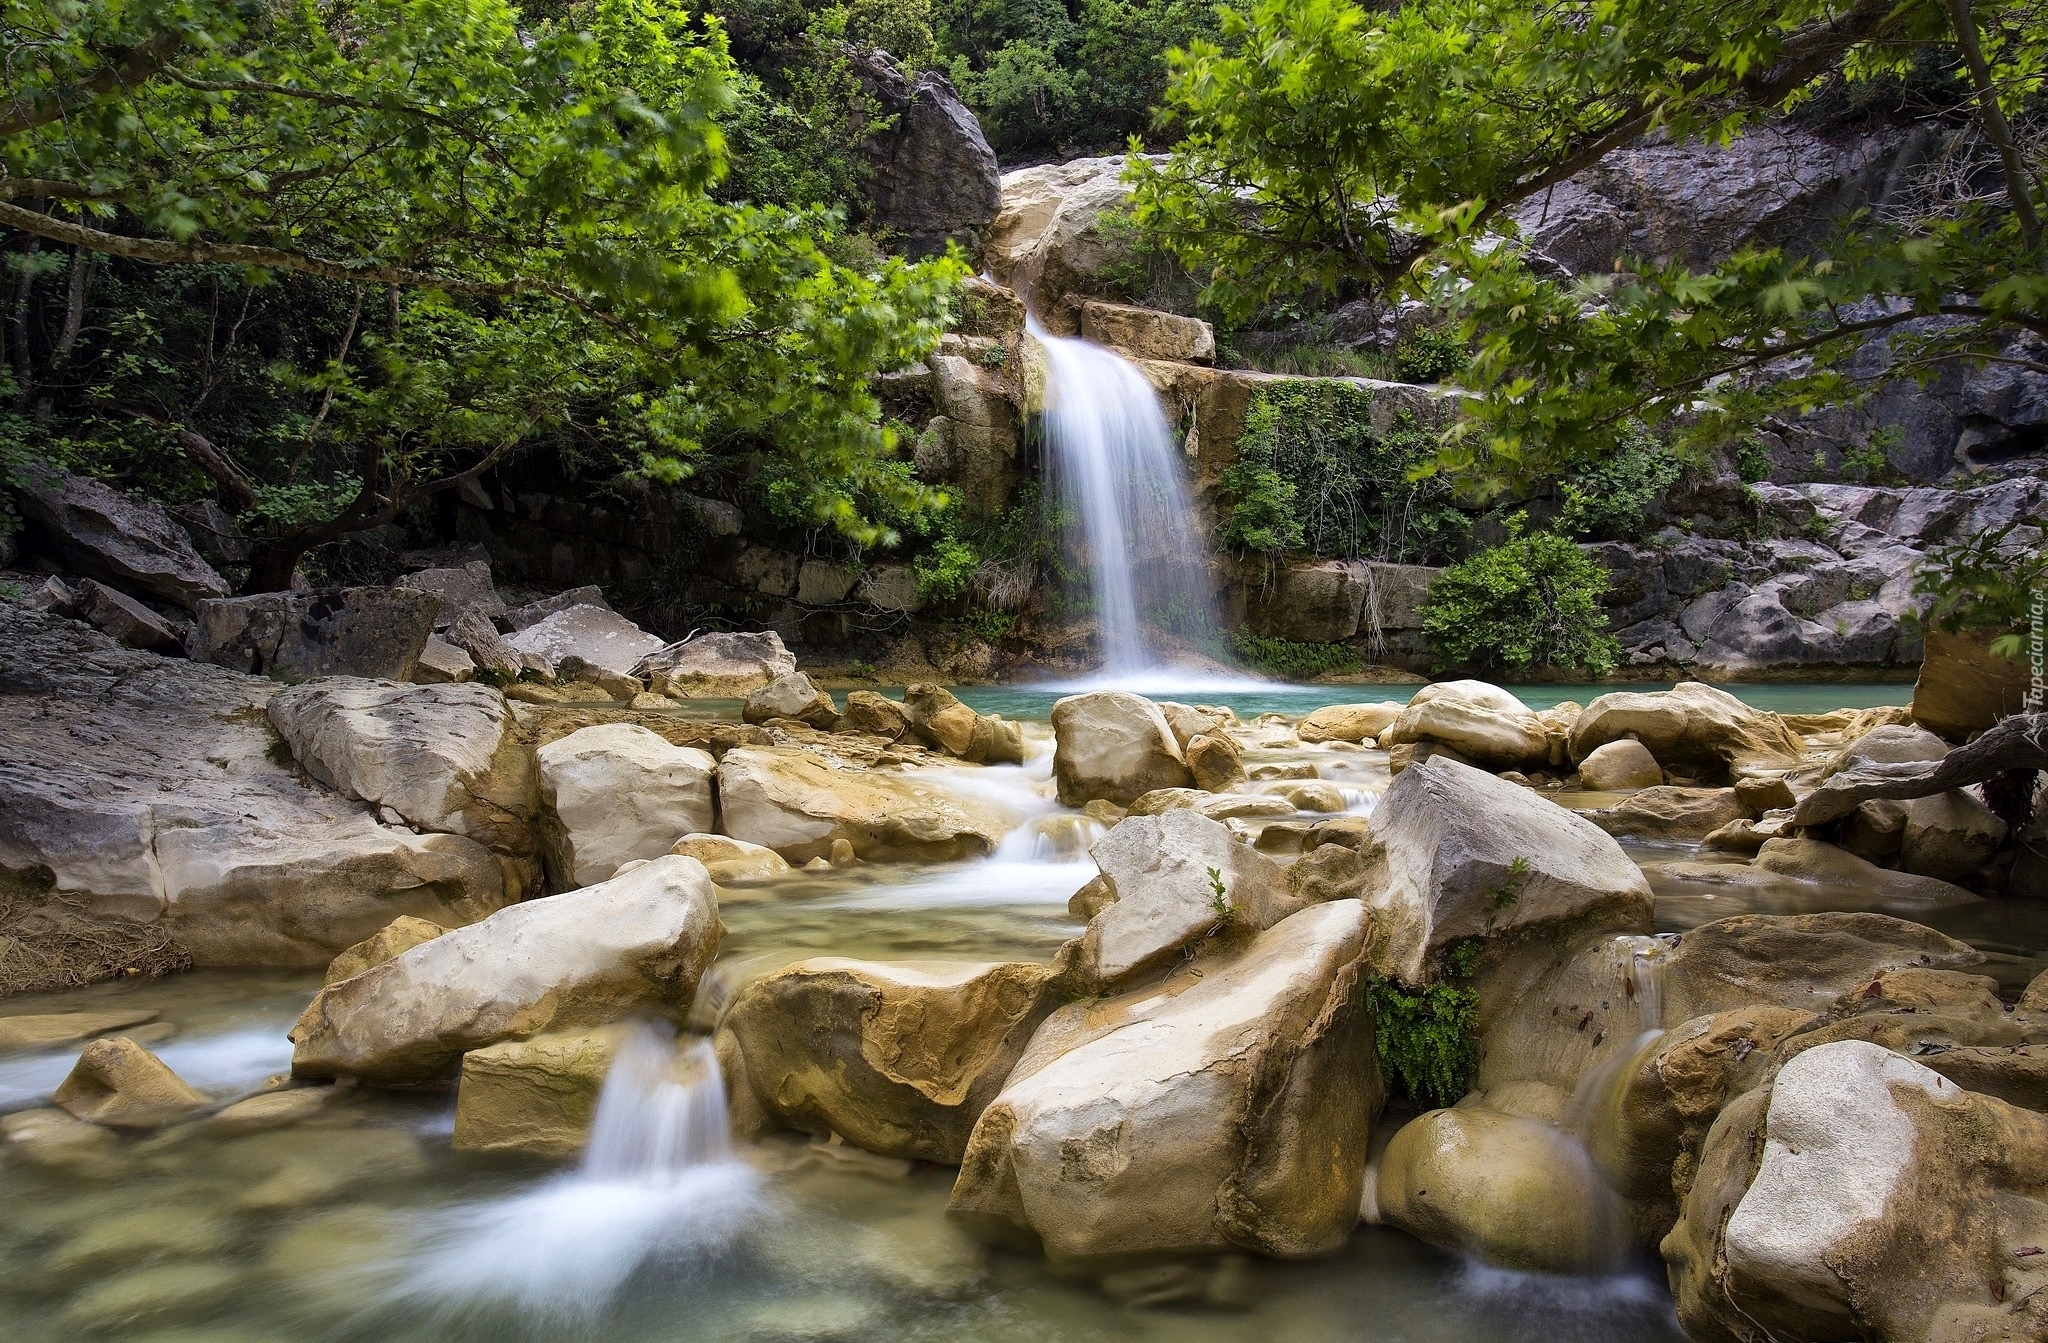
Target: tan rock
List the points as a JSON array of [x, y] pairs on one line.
[[118, 1083], [1215, 761], [798, 804], [873, 714], [45, 1030], [728, 859], [615, 792], [1349, 722], [1815, 861], [1949, 836], [635, 944], [791, 696], [940, 719], [1144, 333], [898, 1058], [1764, 794], [1964, 687], [1165, 871], [395, 938], [1481, 722], [717, 665], [1619, 766], [1668, 813], [1803, 962], [1694, 726], [1116, 745], [535, 1096], [1228, 1107]]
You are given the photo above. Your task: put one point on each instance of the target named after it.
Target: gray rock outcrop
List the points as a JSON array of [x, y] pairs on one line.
[[128, 543], [934, 177]]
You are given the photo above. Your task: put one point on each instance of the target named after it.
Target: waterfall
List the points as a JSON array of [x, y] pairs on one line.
[[1115, 469]]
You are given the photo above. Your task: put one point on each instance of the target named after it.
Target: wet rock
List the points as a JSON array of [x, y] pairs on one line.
[[1215, 761], [616, 792], [1694, 726], [1869, 1197], [793, 697], [637, 943], [152, 1294], [46, 1030], [1887, 744], [152, 792], [275, 1109], [1619, 766], [1667, 813], [442, 663], [1802, 962], [118, 1083], [1349, 722], [1514, 1191], [1482, 723], [294, 636], [728, 859], [468, 588], [716, 666], [898, 1058], [144, 1234], [1314, 601], [1309, 795], [126, 542], [1166, 898], [1762, 795], [1452, 852], [1115, 745], [942, 721], [1189, 721], [447, 758], [1875, 830], [396, 938], [1146, 333], [874, 714], [535, 1096], [1816, 861], [123, 619], [797, 804], [597, 634], [1225, 1108], [1949, 835], [54, 1140]]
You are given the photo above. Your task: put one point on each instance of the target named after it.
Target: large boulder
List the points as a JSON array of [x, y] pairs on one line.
[[933, 178], [896, 1057], [123, 619], [293, 636], [478, 639], [1175, 879], [792, 697], [1314, 601], [446, 758], [1671, 814], [716, 666], [535, 1096], [940, 720], [1822, 863], [1047, 239], [798, 804], [1694, 726], [129, 543], [729, 860], [1964, 687], [636, 944], [1620, 766], [1801, 962], [601, 637], [1349, 722], [616, 792], [1865, 1196], [1949, 836], [1481, 722], [118, 1083], [394, 939], [1115, 745], [1227, 1108], [1453, 852], [148, 804], [1146, 333], [468, 588]]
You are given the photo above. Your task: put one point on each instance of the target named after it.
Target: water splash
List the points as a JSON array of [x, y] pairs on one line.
[[1114, 464], [658, 1185]]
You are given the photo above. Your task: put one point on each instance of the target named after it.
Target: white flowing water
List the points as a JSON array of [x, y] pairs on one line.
[[1115, 468]]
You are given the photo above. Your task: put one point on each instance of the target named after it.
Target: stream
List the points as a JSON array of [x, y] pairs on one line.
[[361, 1223]]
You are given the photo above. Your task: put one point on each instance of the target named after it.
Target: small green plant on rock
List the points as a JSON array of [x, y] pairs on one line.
[[1509, 888], [1219, 899], [1427, 1040]]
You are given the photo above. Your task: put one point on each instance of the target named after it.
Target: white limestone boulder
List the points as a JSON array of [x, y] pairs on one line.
[[1620, 766], [793, 697], [615, 792], [1349, 722], [799, 804], [599, 635], [1480, 721], [716, 666], [1114, 745], [1227, 1108], [1693, 726], [634, 945]]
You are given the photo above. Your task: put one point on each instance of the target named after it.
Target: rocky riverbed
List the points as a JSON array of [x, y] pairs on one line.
[[368, 1008]]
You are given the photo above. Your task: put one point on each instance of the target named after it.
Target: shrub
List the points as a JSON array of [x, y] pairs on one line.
[[1752, 462], [944, 571], [1608, 500], [1531, 602], [1430, 355], [1427, 1041], [1292, 660], [1263, 518]]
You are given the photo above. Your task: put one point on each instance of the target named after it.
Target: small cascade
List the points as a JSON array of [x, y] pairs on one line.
[[1115, 466], [1064, 837], [1637, 964], [659, 1114]]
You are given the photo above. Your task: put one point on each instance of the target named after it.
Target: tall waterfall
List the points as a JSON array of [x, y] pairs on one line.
[[1115, 467]]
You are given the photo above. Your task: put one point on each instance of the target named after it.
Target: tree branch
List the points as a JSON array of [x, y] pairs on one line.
[[133, 65]]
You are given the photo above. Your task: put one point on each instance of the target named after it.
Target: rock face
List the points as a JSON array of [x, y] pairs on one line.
[[798, 805], [898, 1058], [293, 636], [634, 944], [535, 1096], [1158, 869], [145, 796], [874, 714], [1317, 602], [1620, 766], [1800, 962], [120, 1084], [1481, 722], [1228, 1108], [128, 543], [1949, 836], [445, 757], [1349, 722], [1868, 1197], [1046, 241], [1115, 745], [1964, 687], [717, 666], [934, 177], [598, 635], [616, 792], [1695, 726], [396, 938], [1145, 333], [793, 697], [1454, 852], [972, 444]]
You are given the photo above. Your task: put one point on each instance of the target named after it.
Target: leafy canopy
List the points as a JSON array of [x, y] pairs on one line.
[[1335, 150]]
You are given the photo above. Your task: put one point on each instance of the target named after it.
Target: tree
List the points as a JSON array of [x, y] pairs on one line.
[[520, 223], [1339, 151]]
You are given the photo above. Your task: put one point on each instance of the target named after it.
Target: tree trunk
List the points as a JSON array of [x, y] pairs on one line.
[[272, 564]]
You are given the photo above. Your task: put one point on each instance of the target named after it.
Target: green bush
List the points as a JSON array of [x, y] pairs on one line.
[[1608, 500], [1427, 1041], [1531, 602], [1263, 518], [1430, 355], [1752, 462], [944, 571], [1291, 660]]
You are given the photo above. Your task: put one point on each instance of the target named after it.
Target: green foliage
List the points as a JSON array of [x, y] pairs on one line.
[[1533, 601], [944, 571], [1430, 355], [987, 624], [1608, 499], [1427, 1039], [1312, 472], [1335, 149], [1752, 462], [1291, 659], [1984, 582], [1509, 888]]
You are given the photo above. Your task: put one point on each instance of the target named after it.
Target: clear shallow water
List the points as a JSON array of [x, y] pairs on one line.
[[362, 1224]]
